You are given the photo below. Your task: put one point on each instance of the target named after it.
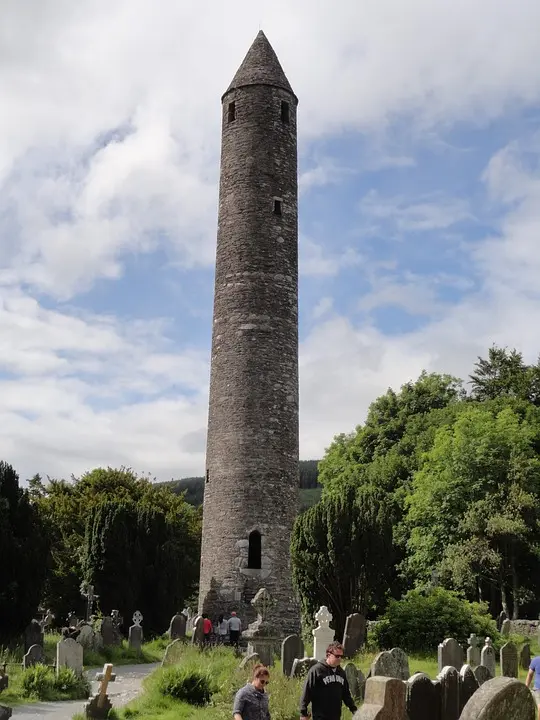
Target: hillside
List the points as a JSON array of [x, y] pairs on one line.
[[310, 491]]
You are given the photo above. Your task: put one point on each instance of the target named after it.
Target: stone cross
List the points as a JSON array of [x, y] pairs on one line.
[[263, 603], [137, 617], [88, 593], [473, 651], [323, 634], [102, 695]]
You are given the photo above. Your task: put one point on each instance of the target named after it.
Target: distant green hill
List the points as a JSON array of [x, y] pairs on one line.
[[310, 490]]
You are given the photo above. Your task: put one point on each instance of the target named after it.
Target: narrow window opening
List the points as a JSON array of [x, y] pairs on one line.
[[254, 550], [277, 207], [231, 115], [285, 112], [207, 476]]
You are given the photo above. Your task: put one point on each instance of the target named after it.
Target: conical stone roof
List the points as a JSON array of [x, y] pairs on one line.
[[260, 67]]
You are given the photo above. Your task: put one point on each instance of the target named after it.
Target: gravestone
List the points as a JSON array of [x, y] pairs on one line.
[[402, 663], [261, 635], [422, 698], [250, 660], [197, 637], [525, 656], [354, 635], [468, 685], [173, 653], [291, 648], [506, 628], [33, 656], [107, 632], [86, 636], [502, 616], [69, 654], [384, 700], [482, 674], [99, 706], [4, 680], [385, 665], [323, 634], [509, 660], [449, 681], [351, 672], [450, 653], [301, 667], [488, 658], [501, 699], [33, 635], [5, 712], [473, 651], [177, 627], [135, 636]]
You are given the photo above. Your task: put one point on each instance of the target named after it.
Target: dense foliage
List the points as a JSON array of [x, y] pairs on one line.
[[23, 555]]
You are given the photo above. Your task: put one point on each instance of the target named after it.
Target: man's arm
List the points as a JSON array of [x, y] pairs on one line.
[[307, 693], [530, 676], [347, 697]]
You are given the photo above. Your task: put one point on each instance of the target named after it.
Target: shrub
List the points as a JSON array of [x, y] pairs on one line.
[[37, 681], [189, 684], [68, 683], [422, 619]]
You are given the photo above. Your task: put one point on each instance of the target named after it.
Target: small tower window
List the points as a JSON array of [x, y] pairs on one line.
[[277, 206], [231, 115], [254, 550], [285, 112], [207, 475]]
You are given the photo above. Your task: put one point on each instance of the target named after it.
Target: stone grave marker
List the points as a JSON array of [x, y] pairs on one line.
[[450, 653], [301, 666], [509, 660], [525, 656], [449, 680], [107, 632], [468, 685], [86, 636], [69, 654], [422, 698], [482, 674], [173, 653], [473, 651], [177, 627], [488, 658], [354, 635], [351, 671], [99, 706], [135, 636], [506, 627], [501, 617], [33, 635], [323, 634], [33, 656], [385, 665], [402, 663], [384, 700], [5, 712], [250, 660], [291, 648], [501, 698], [198, 631], [4, 680]]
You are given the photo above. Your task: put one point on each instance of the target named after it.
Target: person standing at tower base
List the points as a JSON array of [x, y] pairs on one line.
[[235, 627]]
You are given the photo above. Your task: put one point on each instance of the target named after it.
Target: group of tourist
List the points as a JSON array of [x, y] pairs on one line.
[[325, 689], [222, 630]]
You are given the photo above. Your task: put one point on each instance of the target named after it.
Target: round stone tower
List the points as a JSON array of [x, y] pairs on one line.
[[251, 485]]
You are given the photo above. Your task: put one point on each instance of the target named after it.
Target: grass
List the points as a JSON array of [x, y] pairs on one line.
[[16, 694]]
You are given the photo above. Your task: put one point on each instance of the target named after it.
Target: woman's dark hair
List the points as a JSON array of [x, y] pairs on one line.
[[260, 671]]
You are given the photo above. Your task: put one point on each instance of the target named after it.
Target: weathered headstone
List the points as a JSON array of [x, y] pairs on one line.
[[86, 636], [385, 665], [250, 660], [506, 628], [301, 667], [107, 632], [323, 634], [402, 663], [351, 671], [384, 700], [197, 637], [354, 635], [33, 656], [488, 658], [5, 712], [33, 635], [501, 699], [99, 706], [173, 653], [468, 685], [291, 648], [69, 654], [473, 651], [482, 674], [423, 698], [525, 656], [177, 628], [135, 637], [509, 660], [449, 680], [450, 653]]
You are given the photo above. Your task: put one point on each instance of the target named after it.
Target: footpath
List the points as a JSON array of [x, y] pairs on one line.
[[123, 690]]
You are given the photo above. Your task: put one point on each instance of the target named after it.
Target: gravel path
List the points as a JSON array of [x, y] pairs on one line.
[[124, 689]]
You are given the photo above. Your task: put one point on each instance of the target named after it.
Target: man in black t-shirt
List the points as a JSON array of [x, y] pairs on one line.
[[326, 688]]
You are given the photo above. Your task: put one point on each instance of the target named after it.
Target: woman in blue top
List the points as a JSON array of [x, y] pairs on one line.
[[534, 670]]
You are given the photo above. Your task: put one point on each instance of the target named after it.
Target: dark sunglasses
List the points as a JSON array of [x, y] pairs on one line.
[[265, 682], [336, 655]]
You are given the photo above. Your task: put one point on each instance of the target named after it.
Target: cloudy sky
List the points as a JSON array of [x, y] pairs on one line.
[[419, 151]]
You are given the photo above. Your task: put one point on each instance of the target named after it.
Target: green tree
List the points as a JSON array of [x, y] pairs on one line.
[[504, 373], [474, 510], [23, 558], [342, 554]]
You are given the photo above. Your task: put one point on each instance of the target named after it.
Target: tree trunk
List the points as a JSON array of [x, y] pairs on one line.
[[515, 591], [504, 599]]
